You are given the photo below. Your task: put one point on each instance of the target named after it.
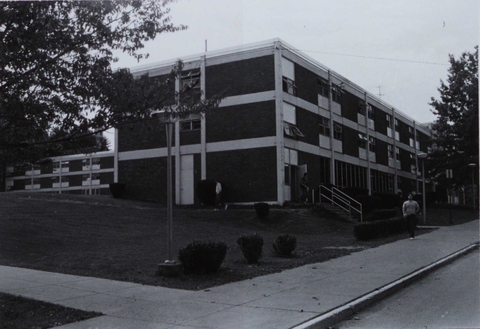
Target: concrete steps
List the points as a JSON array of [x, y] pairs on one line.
[[337, 212]]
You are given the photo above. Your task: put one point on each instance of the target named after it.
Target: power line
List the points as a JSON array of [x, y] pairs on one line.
[[371, 57]]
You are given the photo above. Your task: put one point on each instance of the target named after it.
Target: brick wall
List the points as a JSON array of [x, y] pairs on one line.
[[241, 121], [241, 77], [308, 123], [247, 175], [350, 106], [306, 82], [145, 178], [382, 152], [350, 141], [146, 134]]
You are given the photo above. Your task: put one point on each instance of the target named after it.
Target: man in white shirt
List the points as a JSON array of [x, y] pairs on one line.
[[410, 209]]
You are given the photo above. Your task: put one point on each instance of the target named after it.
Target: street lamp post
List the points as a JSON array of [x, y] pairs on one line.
[[473, 165], [169, 129], [170, 267], [423, 156]]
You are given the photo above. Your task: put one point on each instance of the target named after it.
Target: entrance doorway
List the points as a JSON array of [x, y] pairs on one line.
[[186, 180]]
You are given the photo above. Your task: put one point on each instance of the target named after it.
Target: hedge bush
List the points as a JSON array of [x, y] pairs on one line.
[[380, 228], [262, 209], [369, 203], [388, 200], [251, 247], [202, 257], [380, 214], [284, 245]]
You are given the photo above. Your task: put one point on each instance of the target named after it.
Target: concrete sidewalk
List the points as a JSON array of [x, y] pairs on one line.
[[311, 296]]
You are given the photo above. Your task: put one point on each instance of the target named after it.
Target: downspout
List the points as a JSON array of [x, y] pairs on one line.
[[332, 148], [369, 179], [115, 158], [203, 131], [395, 176], [279, 124]]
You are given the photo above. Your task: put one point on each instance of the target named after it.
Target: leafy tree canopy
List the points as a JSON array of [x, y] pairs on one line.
[[56, 80], [456, 128]]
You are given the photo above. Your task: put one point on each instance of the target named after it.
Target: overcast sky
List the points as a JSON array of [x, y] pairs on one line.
[[397, 48]]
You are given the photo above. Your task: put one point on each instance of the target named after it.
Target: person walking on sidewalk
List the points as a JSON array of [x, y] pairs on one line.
[[410, 209]]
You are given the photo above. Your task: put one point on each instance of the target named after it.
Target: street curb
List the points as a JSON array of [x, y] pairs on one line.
[[341, 313]]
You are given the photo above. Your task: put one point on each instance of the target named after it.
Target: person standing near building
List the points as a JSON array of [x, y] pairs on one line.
[[410, 209], [218, 195], [304, 188]]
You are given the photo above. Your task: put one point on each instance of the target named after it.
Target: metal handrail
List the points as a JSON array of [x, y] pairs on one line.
[[331, 200], [359, 210], [346, 199]]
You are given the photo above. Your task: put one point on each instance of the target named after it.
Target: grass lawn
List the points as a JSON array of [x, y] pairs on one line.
[[126, 240], [23, 313]]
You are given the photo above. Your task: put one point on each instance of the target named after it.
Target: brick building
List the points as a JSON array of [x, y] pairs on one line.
[[88, 174], [284, 114]]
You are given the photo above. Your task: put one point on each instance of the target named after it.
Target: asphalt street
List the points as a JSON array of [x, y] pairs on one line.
[[447, 298]]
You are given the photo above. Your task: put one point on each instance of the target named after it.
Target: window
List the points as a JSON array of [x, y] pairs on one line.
[[411, 137], [362, 141], [337, 131], [289, 113], [288, 73], [96, 163], [292, 130], [397, 130], [370, 112], [390, 151], [361, 107], [413, 163], [190, 125], [388, 117], [190, 80], [323, 87], [289, 86], [288, 69], [56, 166], [397, 153], [85, 179], [372, 144], [324, 126], [337, 94], [86, 164]]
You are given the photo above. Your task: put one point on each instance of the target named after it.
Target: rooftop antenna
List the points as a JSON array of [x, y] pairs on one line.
[[380, 92], [205, 45]]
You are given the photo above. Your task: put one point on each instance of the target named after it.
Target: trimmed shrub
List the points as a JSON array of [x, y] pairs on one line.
[[251, 246], [380, 214], [117, 189], [369, 203], [388, 200], [202, 257], [285, 245], [206, 191], [262, 209], [380, 228]]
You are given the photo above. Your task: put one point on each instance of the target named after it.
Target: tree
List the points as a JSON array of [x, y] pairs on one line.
[[56, 80], [456, 128]]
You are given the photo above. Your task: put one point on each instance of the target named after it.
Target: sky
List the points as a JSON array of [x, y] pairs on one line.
[[395, 49]]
